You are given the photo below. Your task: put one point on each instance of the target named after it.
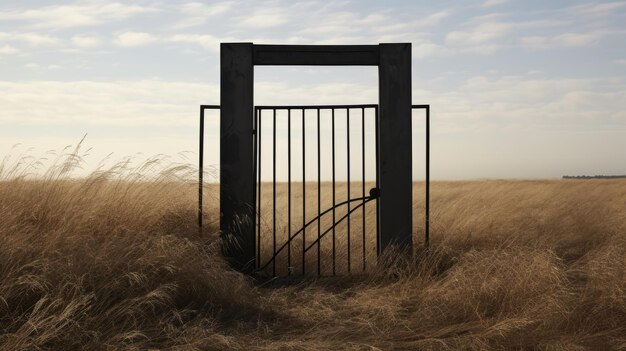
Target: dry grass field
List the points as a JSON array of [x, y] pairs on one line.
[[114, 261]]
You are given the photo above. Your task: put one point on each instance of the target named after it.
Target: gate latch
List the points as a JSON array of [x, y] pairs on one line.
[[374, 193]]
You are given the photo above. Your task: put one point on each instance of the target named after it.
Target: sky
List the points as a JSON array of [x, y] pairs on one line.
[[518, 89]]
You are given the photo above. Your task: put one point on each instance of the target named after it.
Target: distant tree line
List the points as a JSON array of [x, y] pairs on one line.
[[595, 177]]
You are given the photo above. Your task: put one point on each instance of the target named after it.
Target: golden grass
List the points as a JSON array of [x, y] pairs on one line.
[[115, 261]]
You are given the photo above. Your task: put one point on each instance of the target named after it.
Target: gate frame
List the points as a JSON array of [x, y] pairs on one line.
[[237, 154]]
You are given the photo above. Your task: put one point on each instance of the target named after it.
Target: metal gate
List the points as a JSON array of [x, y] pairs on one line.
[[285, 248], [304, 235]]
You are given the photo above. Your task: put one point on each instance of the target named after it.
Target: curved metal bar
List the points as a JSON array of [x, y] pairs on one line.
[[373, 195], [368, 199]]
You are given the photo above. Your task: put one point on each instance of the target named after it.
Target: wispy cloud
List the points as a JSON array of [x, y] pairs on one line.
[[561, 40], [8, 50], [122, 103], [530, 102], [133, 39], [535, 42], [86, 41], [31, 38], [74, 15], [491, 32], [428, 49], [264, 18], [137, 39], [426, 22], [577, 39], [480, 34], [491, 3], [599, 8], [205, 41], [435, 18], [196, 13]]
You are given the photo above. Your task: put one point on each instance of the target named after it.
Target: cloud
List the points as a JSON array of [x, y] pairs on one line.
[[491, 32], [136, 39], [620, 62], [391, 25], [33, 39], [8, 50], [523, 99], [68, 16], [576, 39], [196, 13], [529, 102], [85, 41], [480, 34], [561, 40], [428, 49], [328, 26], [89, 103], [197, 8], [535, 41], [206, 41], [264, 18], [434, 18], [491, 3], [602, 9], [133, 39]]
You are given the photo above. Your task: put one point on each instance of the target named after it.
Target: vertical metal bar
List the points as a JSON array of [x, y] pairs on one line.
[[348, 158], [274, 192], [363, 176], [254, 175], [303, 198], [200, 169], [427, 224], [289, 191], [319, 196], [259, 185], [377, 181], [334, 200]]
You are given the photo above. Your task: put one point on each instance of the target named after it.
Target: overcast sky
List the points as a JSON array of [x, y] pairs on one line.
[[518, 89]]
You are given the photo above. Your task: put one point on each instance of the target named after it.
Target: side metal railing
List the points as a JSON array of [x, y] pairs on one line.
[[201, 161]]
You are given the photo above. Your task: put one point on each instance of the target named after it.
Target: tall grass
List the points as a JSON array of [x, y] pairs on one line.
[[114, 261]]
